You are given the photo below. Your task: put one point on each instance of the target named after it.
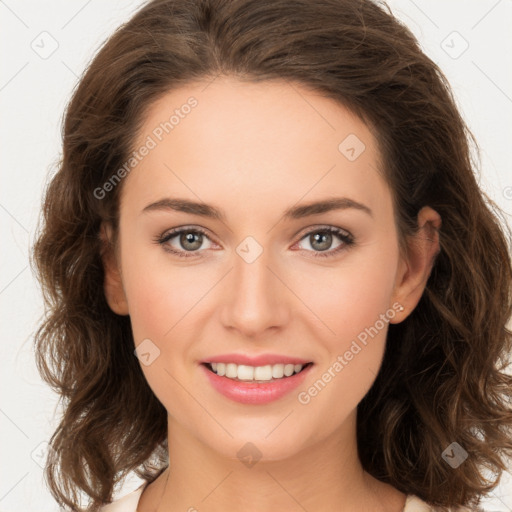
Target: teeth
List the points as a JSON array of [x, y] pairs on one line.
[[263, 372], [255, 373], [289, 369], [278, 371], [231, 370], [243, 372]]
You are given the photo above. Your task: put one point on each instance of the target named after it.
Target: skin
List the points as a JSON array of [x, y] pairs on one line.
[[254, 150]]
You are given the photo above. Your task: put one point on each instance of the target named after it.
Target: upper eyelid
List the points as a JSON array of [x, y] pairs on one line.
[[319, 227]]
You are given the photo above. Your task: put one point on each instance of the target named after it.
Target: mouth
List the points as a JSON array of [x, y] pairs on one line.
[[255, 385], [255, 374]]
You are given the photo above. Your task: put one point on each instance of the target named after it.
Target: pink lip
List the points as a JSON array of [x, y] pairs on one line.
[[254, 393], [261, 360]]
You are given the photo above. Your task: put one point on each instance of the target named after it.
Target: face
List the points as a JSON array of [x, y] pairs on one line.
[[312, 286]]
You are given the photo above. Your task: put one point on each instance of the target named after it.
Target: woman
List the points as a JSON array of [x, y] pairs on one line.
[[334, 338]]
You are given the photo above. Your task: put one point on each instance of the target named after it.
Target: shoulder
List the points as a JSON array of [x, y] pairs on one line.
[[415, 504], [127, 503]]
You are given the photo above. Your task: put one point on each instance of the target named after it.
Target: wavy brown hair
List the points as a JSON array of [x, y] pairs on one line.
[[444, 375]]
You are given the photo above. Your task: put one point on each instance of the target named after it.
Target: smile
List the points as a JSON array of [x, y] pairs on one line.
[[242, 372], [255, 385]]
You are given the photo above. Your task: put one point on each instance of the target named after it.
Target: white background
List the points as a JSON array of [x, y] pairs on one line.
[[33, 95]]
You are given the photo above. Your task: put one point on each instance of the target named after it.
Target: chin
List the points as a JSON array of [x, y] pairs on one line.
[[258, 444]]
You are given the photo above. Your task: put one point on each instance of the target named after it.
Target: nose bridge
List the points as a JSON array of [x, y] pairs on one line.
[[256, 297]]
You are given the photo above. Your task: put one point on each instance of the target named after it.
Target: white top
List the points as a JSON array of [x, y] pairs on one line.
[[129, 503]]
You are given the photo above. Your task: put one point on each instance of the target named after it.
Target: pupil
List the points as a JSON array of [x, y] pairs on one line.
[[327, 237], [192, 238]]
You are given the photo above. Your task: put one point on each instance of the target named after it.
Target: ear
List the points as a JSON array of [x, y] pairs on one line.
[[415, 268], [113, 284]]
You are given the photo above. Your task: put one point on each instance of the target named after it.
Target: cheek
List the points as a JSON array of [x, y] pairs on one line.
[[160, 297], [356, 306], [351, 296], [159, 292]]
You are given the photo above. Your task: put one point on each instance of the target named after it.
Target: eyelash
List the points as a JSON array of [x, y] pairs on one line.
[[346, 238]]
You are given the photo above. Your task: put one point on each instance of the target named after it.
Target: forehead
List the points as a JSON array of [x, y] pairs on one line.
[[250, 141]]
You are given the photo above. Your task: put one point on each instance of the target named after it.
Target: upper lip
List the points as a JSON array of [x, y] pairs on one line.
[[259, 360]]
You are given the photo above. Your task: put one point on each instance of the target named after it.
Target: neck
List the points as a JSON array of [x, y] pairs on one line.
[[326, 475]]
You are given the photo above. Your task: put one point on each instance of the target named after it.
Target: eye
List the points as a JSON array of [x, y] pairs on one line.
[[321, 239], [190, 241]]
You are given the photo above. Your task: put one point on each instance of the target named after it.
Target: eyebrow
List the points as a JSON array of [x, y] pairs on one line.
[[294, 212]]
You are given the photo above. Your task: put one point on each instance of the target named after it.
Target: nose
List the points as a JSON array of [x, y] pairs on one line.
[[257, 299]]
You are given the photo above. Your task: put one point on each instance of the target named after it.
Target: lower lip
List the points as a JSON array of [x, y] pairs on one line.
[[254, 392]]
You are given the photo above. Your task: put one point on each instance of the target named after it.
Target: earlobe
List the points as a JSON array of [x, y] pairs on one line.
[[414, 271], [113, 284]]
